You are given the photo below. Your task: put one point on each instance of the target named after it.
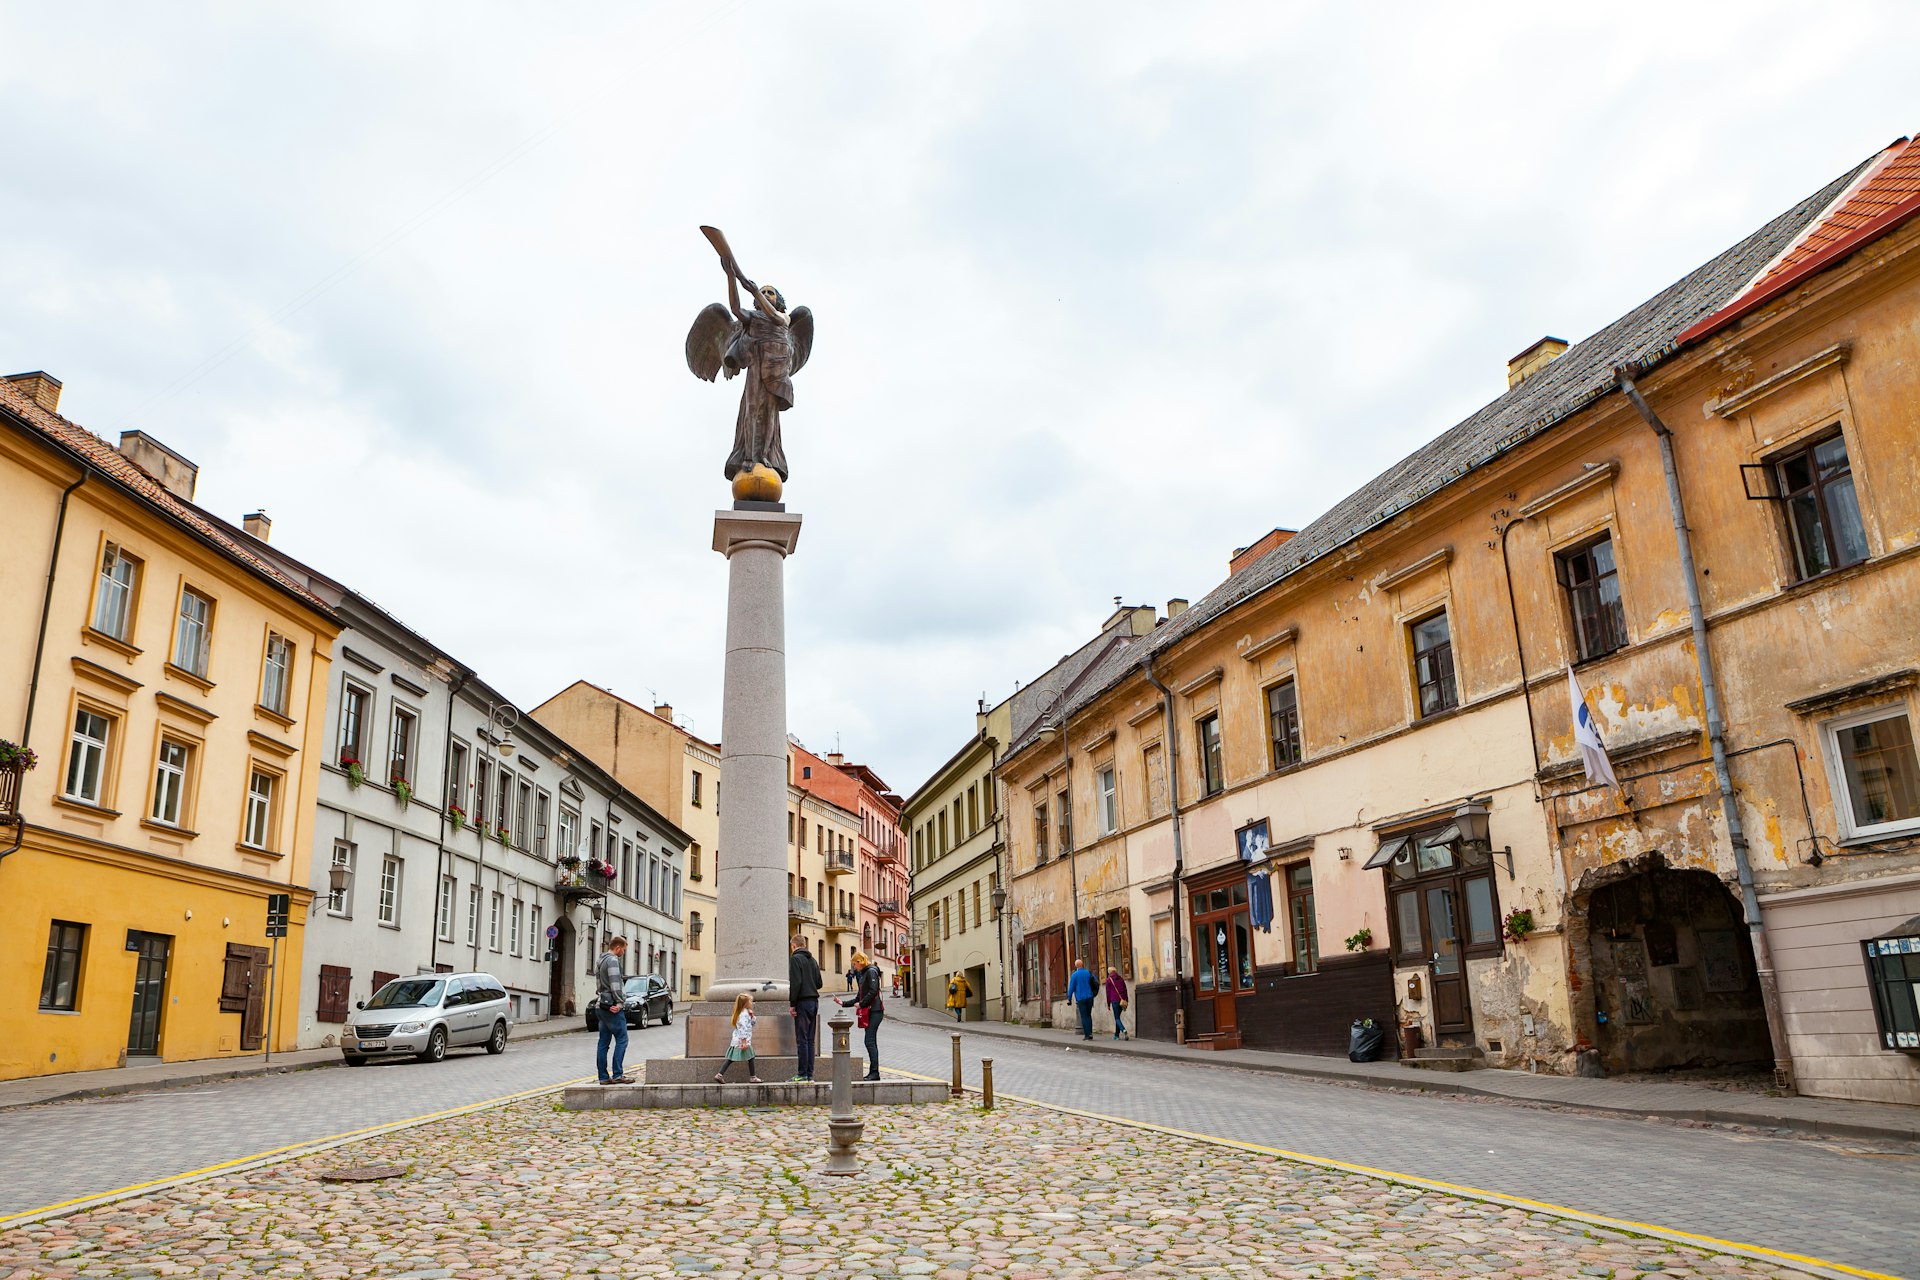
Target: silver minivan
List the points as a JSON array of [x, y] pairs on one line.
[[426, 1015]]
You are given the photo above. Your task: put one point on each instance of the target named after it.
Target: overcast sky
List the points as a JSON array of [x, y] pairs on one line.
[[1103, 291]]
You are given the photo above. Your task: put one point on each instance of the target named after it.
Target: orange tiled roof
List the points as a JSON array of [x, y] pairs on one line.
[[1886, 194], [95, 453]]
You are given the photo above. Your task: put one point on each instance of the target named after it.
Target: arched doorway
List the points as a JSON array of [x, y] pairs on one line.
[[1674, 983], [560, 978]]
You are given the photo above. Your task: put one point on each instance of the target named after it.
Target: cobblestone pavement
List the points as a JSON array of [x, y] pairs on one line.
[[62, 1150], [1845, 1201], [947, 1192]]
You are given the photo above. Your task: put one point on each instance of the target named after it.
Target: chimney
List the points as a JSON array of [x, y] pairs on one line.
[[175, 474], [664, 710], [1244, 556], [43, 387], [1534, 359], [1176, 607], [835, 759], [257, 525]]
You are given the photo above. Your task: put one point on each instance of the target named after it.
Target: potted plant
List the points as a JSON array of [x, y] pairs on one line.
[[402, 789], [1360, 941], [605, 870], [458, 815], [1519, 924], [356, 772], [15, 762], [500, 834]]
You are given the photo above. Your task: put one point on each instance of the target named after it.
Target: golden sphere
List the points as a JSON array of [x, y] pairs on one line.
[[756, 484]]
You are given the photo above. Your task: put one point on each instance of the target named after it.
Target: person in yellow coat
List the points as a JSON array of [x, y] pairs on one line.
[[959, 992]]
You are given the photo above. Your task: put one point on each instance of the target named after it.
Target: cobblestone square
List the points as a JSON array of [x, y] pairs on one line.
[[948, 1191]]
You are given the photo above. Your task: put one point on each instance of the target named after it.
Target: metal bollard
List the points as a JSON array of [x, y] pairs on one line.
[[986, 1083], [844, 1126], [958, 1088]]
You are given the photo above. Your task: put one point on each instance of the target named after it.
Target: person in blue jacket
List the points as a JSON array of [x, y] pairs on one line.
[[1080, 988]]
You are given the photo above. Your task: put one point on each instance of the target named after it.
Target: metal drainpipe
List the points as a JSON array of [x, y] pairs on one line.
[[39, 651], [1179, 854], [1716, 738]]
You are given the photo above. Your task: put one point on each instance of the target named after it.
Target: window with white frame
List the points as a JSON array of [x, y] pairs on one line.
[[493, 921], [503, 800], [443, 912], [257, 831], [401, 745], [193, 639], [276, 674], [389, 890], [473, 915], [170, 781], [513, 928], [569, 833], [1875, 771], [1109, 801], [340, 901], [87, 756], [457, 777], [522, 816], [113, 604], [536, 934]]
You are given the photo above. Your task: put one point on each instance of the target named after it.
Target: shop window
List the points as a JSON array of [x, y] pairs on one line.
[[1306, 930]]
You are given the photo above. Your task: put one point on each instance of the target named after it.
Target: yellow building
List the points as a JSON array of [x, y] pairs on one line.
[[673, 771], [172, 686]]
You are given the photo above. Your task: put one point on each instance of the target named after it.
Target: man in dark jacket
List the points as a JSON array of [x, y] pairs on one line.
[[803, 997]]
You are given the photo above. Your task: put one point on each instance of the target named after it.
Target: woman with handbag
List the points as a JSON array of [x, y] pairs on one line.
[[1116, 992], [869, 1009]]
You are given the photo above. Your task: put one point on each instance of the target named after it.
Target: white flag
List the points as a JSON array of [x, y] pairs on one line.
[[1586, 735]]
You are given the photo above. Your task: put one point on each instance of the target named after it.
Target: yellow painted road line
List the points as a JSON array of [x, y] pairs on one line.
[[288, 1151], [1454, 1188]]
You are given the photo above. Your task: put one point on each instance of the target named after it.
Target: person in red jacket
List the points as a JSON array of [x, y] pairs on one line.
[[1116, 993]]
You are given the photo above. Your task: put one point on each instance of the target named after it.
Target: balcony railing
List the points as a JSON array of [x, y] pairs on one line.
[[839, 862], [800, 908], [891, 907], [843, 921]]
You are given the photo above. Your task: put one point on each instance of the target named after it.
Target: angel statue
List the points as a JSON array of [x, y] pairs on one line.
[[771, 345]]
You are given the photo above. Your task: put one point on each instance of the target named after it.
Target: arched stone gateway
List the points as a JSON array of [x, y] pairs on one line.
[[1672, 980]]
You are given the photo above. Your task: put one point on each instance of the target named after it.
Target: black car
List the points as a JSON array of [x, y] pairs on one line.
[[646, 999]]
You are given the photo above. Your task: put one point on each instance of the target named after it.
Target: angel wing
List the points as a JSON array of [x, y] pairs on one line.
[[711, 338], [800, 331]]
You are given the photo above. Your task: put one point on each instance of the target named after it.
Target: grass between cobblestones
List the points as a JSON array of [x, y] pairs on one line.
[[947, 1191]]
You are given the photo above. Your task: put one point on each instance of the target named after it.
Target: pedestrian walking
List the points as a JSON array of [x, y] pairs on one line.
[[869, 1008], [803, 1000], [1116, 993], [740, 1043], [610, 977], [959, 992], [1080, 989]]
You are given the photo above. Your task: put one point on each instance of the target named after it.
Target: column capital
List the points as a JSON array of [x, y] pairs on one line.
[[776, 530]]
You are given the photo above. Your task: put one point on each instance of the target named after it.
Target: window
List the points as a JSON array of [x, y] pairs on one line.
[[1433, 664], [1306, 932], [803, 831], [1109, 801], [536, 936], [457, 775], [522, 816], [482, 788], [1153, 763], [569, 833], [973, 810], [340, 903], [1213, 774], [1040, 832], [542, 806], [257, 830], [696, 788], [943, 831], [276, 674], [87, 757], [693, 984], [113, 604], [400, 754], [693, 861], [976, 904], [389, 912], [1064, 814], [1823, 512], [513, 928], [1593, 598], [1283, 724], [493, 921], [354, 704], [194, 636], [695, 927], [170, 781], [1876, 777], [473, 918], [443, 916], [503, 800], [60, 980]]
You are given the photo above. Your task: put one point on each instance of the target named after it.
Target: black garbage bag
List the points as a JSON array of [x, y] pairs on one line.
[[1364, 1039]]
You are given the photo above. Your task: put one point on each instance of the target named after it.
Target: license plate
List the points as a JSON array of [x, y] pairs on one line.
[[373, 1044]]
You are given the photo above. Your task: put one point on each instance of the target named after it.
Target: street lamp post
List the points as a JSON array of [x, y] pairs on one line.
[[999, 899]]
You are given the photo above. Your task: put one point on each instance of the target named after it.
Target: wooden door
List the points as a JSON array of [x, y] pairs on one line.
[[1223, 951], [149, 992], [1446, 968]]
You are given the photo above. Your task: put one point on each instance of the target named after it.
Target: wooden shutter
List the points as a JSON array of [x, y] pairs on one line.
[[335, 983], [233, 982]]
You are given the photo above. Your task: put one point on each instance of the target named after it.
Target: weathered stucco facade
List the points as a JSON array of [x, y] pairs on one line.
[[1371, 721]]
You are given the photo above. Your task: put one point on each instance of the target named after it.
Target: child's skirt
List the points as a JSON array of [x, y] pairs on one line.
[[737, 1054]]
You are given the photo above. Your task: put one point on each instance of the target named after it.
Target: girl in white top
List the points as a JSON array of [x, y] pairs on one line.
[[740, 1044]]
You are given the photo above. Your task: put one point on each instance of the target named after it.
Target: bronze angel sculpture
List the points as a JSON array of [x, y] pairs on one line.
[[768, 343]]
